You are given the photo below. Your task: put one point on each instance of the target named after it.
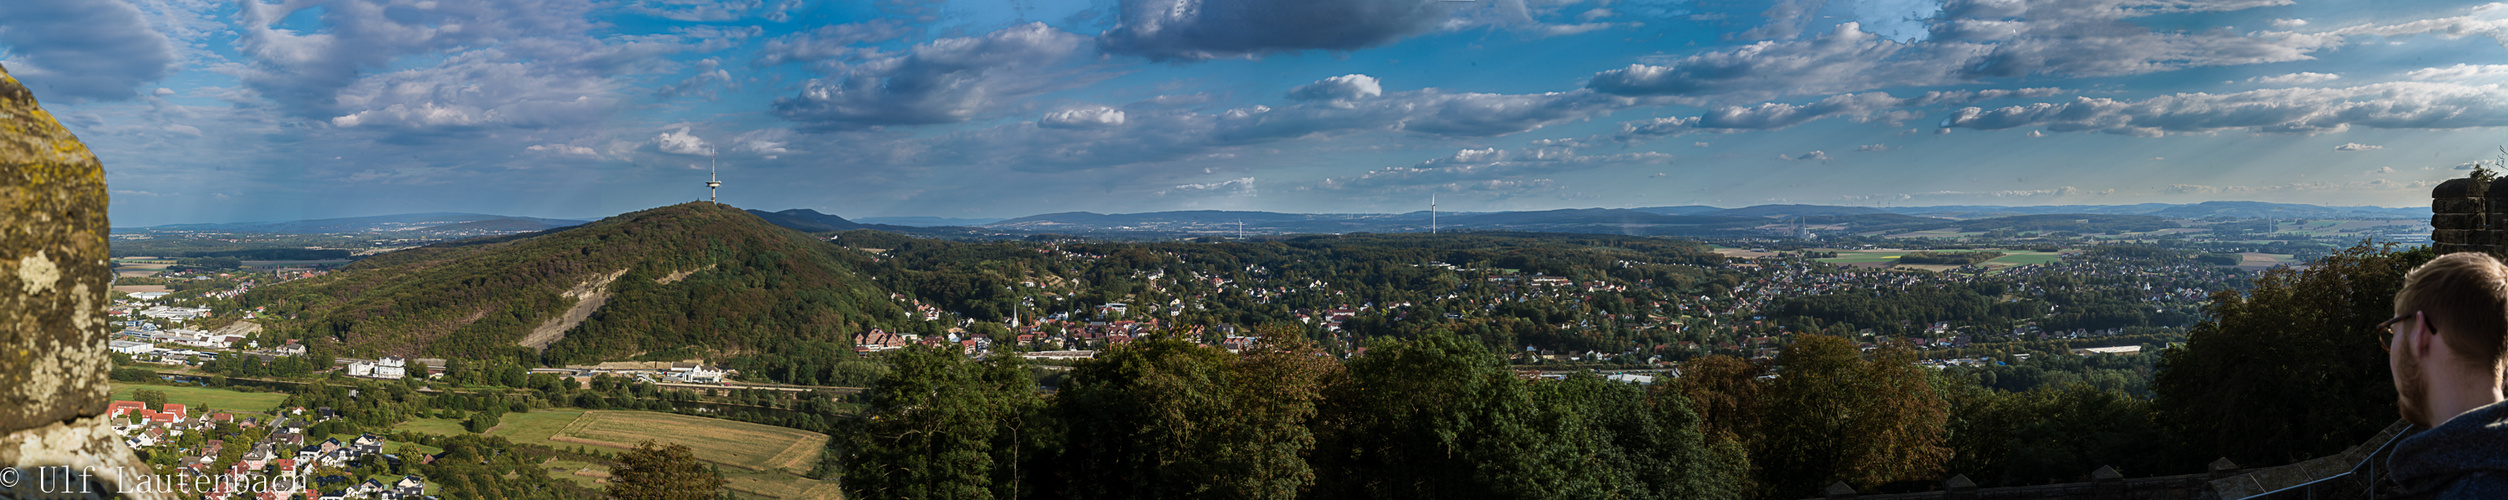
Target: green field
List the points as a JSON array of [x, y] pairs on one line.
[[216, 399], [744, 445], [533, 427]]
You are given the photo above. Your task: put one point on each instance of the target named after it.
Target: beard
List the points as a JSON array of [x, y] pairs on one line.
[[2412, 391]]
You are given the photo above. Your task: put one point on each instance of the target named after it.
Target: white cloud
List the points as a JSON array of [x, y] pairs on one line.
[[2490, 20], [2289, 23], [2460, 71], [2033, 134], [2398, 105], [2302, 78], [1083, 117], [765, 142], [564, 150], [1339, 88], [2354, 146], [1874, 148], [681, 142]]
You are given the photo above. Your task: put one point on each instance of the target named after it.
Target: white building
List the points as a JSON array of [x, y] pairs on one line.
[[133, 348], [390, 368], [169, 312]]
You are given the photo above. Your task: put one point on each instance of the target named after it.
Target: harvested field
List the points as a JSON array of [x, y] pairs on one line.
[[745, 445]]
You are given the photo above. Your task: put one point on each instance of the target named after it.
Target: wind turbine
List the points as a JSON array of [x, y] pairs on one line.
[[710, 183]]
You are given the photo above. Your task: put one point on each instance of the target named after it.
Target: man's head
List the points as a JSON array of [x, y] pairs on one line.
[[2458, 320]]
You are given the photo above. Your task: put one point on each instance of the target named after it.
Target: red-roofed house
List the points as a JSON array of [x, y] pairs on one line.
[[118, 408], [180, 412]]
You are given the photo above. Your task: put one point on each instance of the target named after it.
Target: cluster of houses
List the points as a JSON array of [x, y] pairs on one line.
[[271, 468], [648, 371]]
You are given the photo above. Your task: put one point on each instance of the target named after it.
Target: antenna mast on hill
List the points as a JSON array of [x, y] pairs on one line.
[[710, 183], [1432, 213]]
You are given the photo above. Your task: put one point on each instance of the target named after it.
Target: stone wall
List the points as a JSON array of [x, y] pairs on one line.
[[53, 278]]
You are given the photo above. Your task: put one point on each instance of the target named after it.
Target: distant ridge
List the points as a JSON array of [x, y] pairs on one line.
[[1690, 220], [377, 223]]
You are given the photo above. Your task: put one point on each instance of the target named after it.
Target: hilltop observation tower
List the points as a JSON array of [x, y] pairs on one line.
[[711, 184]]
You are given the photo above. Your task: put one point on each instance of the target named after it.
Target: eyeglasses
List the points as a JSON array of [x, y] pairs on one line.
[[2386, 331]]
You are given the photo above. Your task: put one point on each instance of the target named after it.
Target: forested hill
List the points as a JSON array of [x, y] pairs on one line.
[[669, 281]]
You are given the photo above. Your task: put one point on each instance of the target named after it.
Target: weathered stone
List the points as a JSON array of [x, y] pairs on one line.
[[2456, 221], [2456, 188], [2459, 205], [53, 278], [2452, 236]]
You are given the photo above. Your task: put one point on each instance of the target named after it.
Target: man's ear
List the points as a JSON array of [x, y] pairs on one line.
[[2420, 347]]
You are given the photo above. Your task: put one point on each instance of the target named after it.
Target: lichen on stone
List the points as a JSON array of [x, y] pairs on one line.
[[54, 271]]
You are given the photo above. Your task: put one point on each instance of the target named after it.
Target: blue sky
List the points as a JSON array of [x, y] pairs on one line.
[[233, 110]]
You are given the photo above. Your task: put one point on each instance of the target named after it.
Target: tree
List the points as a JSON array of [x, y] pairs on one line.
[[154, 398], [1164, 417], [1832, 415], [1438, 416], [654, 471], [2286, 371], [940, 426]]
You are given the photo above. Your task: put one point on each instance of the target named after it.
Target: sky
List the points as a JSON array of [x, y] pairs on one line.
[[246, 110]]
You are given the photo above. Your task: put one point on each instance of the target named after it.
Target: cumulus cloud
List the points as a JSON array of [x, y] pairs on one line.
[[1339, 88], [2398, 105], [1083, 117], [1874, 148], [2301, 78], [82, 49], [2033, 134], [2460, 71], [2289, 23], [2354, 146], [1192, 30], [681, 142], [305, 73], [946, 81], [472, 91], [1479, 166]]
